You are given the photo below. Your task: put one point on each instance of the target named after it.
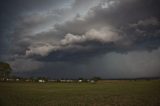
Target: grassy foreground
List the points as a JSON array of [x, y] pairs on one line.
[[103, 93]]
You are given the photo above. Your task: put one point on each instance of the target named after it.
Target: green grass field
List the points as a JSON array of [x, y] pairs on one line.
[[103, 93]]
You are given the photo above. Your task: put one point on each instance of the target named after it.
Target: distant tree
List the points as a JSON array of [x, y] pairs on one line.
[[14, 77], [31, 79], [5, 70], [80, 78], [96, 78]]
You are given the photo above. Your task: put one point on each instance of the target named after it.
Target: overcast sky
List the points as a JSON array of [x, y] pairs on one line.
[[81, 38]]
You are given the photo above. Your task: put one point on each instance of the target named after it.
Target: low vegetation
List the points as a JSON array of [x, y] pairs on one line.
[[101, 93]]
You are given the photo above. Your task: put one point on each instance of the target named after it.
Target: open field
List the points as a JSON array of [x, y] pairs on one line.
[[103, 93]]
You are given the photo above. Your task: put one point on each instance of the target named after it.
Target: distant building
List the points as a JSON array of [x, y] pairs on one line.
[[66, 81], [92, 81], [69, 80], [9, 79], [42, 81], [79, 80], [27, 80], [17, 79], [62, 80]]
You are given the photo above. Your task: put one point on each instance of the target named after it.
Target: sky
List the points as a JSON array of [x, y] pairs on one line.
[[81, 38]]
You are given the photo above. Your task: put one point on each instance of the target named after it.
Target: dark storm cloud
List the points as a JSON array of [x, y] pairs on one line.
[[59, 37], [118, 13], [19, 19], [10, 11], [12, 14], [111, 26], [112, 65]]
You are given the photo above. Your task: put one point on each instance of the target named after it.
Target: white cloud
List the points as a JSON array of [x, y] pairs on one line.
[[70, 39], [103, 35], [150, 21], [39, 50]]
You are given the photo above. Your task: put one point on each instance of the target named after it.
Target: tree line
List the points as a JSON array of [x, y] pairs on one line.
[[5, 71]]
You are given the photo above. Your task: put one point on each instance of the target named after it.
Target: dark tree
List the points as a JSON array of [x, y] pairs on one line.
[[96, 78], [5, 70]]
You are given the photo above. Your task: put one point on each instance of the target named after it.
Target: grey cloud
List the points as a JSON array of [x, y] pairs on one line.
[[134, 64], [120, 16], [25, 65], [147, 22], [36, 26], [70, 41], [67, 35]]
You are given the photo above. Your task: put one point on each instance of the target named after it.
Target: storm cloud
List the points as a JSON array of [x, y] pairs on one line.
[[71, 33], [105, 28]]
